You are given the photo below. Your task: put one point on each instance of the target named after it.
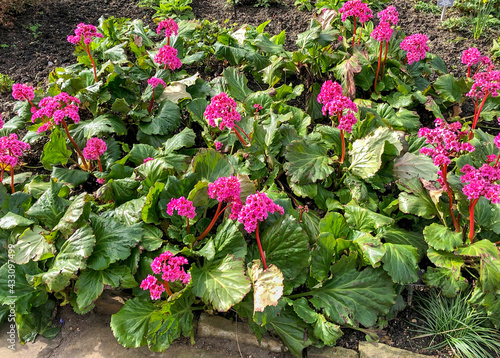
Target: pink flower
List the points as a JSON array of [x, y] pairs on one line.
[[383, 32], [227, 189], [356, 9], [53, 110], [11, 148], [183, 206], [257, 208], [257, 107], [481, 182], [485, 83], [416, 46], [23, 92], [155, 81], [1, 121], [390, 15], [218, 145], [170, 26], [101, 180], [168, 56], [84, 32], [148, 159], [471, 56], [336, 104], [224, 108], [94, 149], [170, 267], [155, 289], [486, 61]]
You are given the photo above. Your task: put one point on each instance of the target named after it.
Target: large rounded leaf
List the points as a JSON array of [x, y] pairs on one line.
[[130, 324], [442, 238]]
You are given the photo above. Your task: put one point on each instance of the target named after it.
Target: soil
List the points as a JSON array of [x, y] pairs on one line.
[[28, 57]]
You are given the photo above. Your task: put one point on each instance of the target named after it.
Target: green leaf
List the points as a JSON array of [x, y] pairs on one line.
[[355, 296], [448, 281], [482, 248], [442, 238], [152, 239], [79, 208], [11, 221], [140, 152], [438, 64], [286, 245], [490, 274], [371, 248], [229, 240], [211, 165], [420, 203], [401, 263], [446, 260], [223, 284], [267, 285], [184, 139], [399, 236], [32, 246], [365, 220], [322, 256], [307, 160], [38, 321], [106, 123], [236, 84], [55, 150], [50, 207], [167, 119], [71, 257], [130, 325], [70, 176], [414, 166], [449, 88], [113, 241]]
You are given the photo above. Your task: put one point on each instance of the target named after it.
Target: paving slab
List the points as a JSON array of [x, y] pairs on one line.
[[380, 350]]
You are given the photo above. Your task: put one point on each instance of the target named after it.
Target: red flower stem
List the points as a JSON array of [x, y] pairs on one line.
[[245, 133], [468, 71], [262, 255], [31, 103], [496, 161], [360, 33], [378, 66], [87, 49], [472, 205], [477, 114], [167, 288], [77, 148], [100, 165], [168, 41], [165, 67], [240, 137], [354, 32], [218, 212], [478, 68], [383, 62], [187, 222], [444, 171], [343, 146], [12, 179], [1, 175], [151, 103]]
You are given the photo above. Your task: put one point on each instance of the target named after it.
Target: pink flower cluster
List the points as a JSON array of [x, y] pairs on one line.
[[1, 121], [485, 83], [53, 110], [257, 208], [170, 26], [335, 103], [471, 56], [390, 15], [227, 189], [94, 149], [151, 283], [357, 9], [416, 46], [23, 92], [218, 145], [383, 32], [11, 148], [85, 32], [183, 206], [168, 56], [155, 82], [224, 108], [148, 159], [481, 182], [257, 107]]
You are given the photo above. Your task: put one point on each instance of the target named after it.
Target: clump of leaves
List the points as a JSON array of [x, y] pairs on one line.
[[455, 323], [5, 83]]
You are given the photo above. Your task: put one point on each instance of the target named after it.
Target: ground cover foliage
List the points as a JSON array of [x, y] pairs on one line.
[[357, 211]]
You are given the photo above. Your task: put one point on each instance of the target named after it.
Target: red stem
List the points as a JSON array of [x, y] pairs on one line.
[[1, 175], [167, 288], [468, 71], [478, 68], [187, 222], [262, 255], [245, 133], [383, 62], [150, 107], [378, 66], [354, 32], [444, 172], [240, 137], [360, 33], [87, 49], [471, 219], [100, 165], [12, 179], [212, 223], [77, 148], [343, 146], [496, 161], [477, 113]]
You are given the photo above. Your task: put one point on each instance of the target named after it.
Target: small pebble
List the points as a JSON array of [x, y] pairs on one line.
[[414, 321], [51, 63]]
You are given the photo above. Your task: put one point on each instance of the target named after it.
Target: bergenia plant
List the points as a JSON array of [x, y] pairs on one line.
[[482, 182], [84, 35], [184, 207], [416, 47], [23, 92], [53, 111], [167, 56], [447, 141], [472, 56], [338, 106], [171, 270], [224, 108], [154, 82], [225, 190], [10, 150], [485, 84], [359, 11], [93, 151], [170, 27], [257, 208]]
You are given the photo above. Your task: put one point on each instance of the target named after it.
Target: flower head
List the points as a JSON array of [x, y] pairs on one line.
[[383, 32], [170, 26], [481, 182], [168, 56], [11, 148], [257, 107], [155, 82], [218, 145], [471, 56], [357, 9], [84, 32], [336, 104], [390, 15], [148, 159], [53, 110], [224, 108], [94, 149], [416, 46], [183, 206], [257, 208], [151, 283], [101, 180], [23, 92], [1, 121], [227, 189], [485, 83]]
